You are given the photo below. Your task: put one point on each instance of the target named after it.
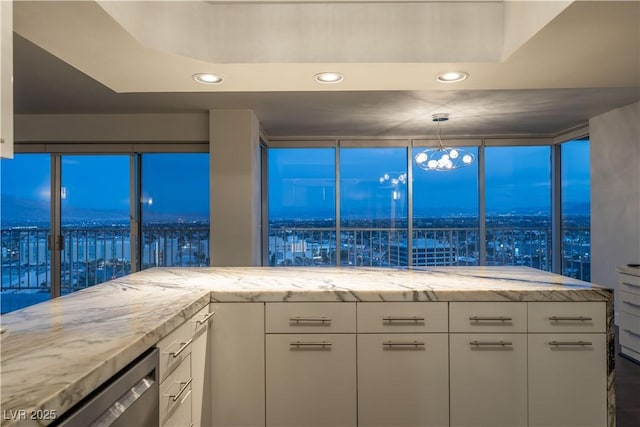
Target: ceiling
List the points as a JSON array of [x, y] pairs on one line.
[[534, 71]]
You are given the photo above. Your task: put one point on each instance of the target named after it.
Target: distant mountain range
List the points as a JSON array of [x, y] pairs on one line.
[[17, 211]]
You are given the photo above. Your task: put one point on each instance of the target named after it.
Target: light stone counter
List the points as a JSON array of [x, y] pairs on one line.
[[55, 353]]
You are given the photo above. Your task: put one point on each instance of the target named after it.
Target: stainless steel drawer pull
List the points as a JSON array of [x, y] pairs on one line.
[[321, 319], [403, 319], [491, 343], [569, 318], [580, 343], [206, 319], [298, 344], [629, 331], [181, 349], [415, 344], [632, 304], [633, 285], [184, 387], [490, 319]]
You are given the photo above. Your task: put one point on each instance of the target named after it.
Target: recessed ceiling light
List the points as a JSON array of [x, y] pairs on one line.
[[452, 76], [328, 77], [207, 78]]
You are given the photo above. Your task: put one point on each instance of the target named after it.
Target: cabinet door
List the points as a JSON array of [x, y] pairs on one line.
[[200, 369], [488, 380], [311, 380], [236, 346], [403, 380], [567, 380]]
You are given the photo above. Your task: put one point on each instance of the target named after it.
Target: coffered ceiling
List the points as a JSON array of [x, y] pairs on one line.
[[534, 67]]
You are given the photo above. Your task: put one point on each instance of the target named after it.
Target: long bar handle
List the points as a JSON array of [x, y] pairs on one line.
[[182, 390], [491, 343], [633, 285], [570, 318], [632, 332], [206, 319], [298, 344], [403, 319], [390, 344], [580, 343], [183, 348], [320, 319], [490, 318], [632, 304]]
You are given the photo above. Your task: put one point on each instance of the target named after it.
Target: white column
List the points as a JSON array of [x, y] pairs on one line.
[[235, 197]]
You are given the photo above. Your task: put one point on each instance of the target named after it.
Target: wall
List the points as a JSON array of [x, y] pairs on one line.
[[236, 222], [615, 192]]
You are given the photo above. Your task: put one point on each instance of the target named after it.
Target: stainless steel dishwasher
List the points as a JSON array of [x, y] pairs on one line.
[[129, 398]]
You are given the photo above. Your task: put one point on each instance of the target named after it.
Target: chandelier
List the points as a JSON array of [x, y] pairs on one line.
[[443, 158]]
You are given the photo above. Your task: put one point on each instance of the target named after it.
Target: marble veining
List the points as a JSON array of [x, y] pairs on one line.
[[54, 353]]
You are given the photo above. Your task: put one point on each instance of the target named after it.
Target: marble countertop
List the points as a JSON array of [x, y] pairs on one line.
[[54, 353]]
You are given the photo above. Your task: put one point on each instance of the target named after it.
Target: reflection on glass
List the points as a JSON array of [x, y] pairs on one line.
[[175, 210], [25, 219], [373, 206], [576, 209], [302, 210], [518, 206], [445, 215]]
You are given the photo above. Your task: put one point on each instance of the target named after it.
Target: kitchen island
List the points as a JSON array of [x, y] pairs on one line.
[[56, 353]]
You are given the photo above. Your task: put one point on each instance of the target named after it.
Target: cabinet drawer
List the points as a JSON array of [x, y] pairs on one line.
[[629, 302], [174, 348], [402, 317], [200, 321], [567, 317], [181, 417], [630, 331], [174, 389], [488, 317], [312, 317], [629, 283]]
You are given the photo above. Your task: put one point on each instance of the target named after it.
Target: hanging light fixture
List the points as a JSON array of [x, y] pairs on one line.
[[443, 158]]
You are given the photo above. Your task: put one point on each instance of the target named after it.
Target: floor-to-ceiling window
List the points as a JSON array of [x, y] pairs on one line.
[[25, 220], [390, 215], [374, 206], [175, 210], [302, 206], [95, 220], [518, 206], [445, 215], [85, 234], [576, 205]]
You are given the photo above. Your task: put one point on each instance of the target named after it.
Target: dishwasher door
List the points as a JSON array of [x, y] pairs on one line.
[[128, 399]]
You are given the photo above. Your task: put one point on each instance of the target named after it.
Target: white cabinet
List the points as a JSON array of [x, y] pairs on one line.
[[175, 376], [567, 380], [200, 368], [311, 364], [311, 380], [488, 363], [488, 375], [236, 349], [567, 364], [629, 320], [403, 364]]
